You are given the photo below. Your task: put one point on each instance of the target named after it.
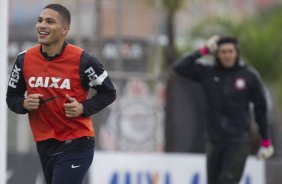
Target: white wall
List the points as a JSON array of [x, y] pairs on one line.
[[3, 82], [126, 168]]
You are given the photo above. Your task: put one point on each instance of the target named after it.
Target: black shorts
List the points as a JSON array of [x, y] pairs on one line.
[[67, 167]]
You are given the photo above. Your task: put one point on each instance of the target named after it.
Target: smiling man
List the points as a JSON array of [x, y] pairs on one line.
[[230, 87], [56, 77]]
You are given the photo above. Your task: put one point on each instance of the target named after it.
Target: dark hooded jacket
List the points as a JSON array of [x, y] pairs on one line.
[[229, 93]]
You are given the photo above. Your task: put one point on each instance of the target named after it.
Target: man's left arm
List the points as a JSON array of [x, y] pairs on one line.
[[259, 100], [94, 75]]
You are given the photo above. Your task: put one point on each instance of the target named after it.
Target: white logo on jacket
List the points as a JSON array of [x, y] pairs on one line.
[[216, 79], [49, 82], [240, 84]]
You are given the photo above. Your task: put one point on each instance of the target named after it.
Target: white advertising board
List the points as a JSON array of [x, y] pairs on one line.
[[123, 168]]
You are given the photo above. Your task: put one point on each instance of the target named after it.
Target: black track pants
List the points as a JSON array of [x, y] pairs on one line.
[[226, 162]]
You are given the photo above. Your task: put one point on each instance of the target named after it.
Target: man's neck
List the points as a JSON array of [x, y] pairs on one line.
[[53, 49]]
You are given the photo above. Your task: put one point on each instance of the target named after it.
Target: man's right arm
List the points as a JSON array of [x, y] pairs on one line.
[[188, 67], [17, 87]]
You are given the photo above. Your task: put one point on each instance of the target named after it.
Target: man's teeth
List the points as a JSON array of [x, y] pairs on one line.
[[43, 33]]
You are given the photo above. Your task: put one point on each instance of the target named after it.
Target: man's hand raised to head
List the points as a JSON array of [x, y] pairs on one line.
[[32, 102], [73, 108], [211, 44]]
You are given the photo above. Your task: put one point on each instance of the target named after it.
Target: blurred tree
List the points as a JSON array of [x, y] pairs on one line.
[[260, 39], [171, 7], [98, 27]]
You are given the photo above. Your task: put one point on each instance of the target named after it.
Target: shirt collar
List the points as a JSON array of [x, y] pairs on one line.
[[50, 58]]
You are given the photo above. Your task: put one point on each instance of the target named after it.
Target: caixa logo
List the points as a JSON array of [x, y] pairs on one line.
[[140, 178], [157, 178]]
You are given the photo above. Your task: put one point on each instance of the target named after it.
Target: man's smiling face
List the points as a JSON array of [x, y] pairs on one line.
[[50, 27]]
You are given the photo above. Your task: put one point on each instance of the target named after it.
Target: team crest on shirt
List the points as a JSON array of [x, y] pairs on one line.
[[240, 84]]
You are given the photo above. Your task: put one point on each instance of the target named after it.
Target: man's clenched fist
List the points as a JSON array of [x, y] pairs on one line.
[[73, 108], [32, 102]]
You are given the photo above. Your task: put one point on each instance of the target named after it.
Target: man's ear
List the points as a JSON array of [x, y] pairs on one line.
[[65, 30]]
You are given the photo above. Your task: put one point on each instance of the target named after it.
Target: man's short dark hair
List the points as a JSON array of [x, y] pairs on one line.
[[227, 39], [63, 11]]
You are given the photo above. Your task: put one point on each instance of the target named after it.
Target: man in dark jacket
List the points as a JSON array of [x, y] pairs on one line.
[[230, 87]]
